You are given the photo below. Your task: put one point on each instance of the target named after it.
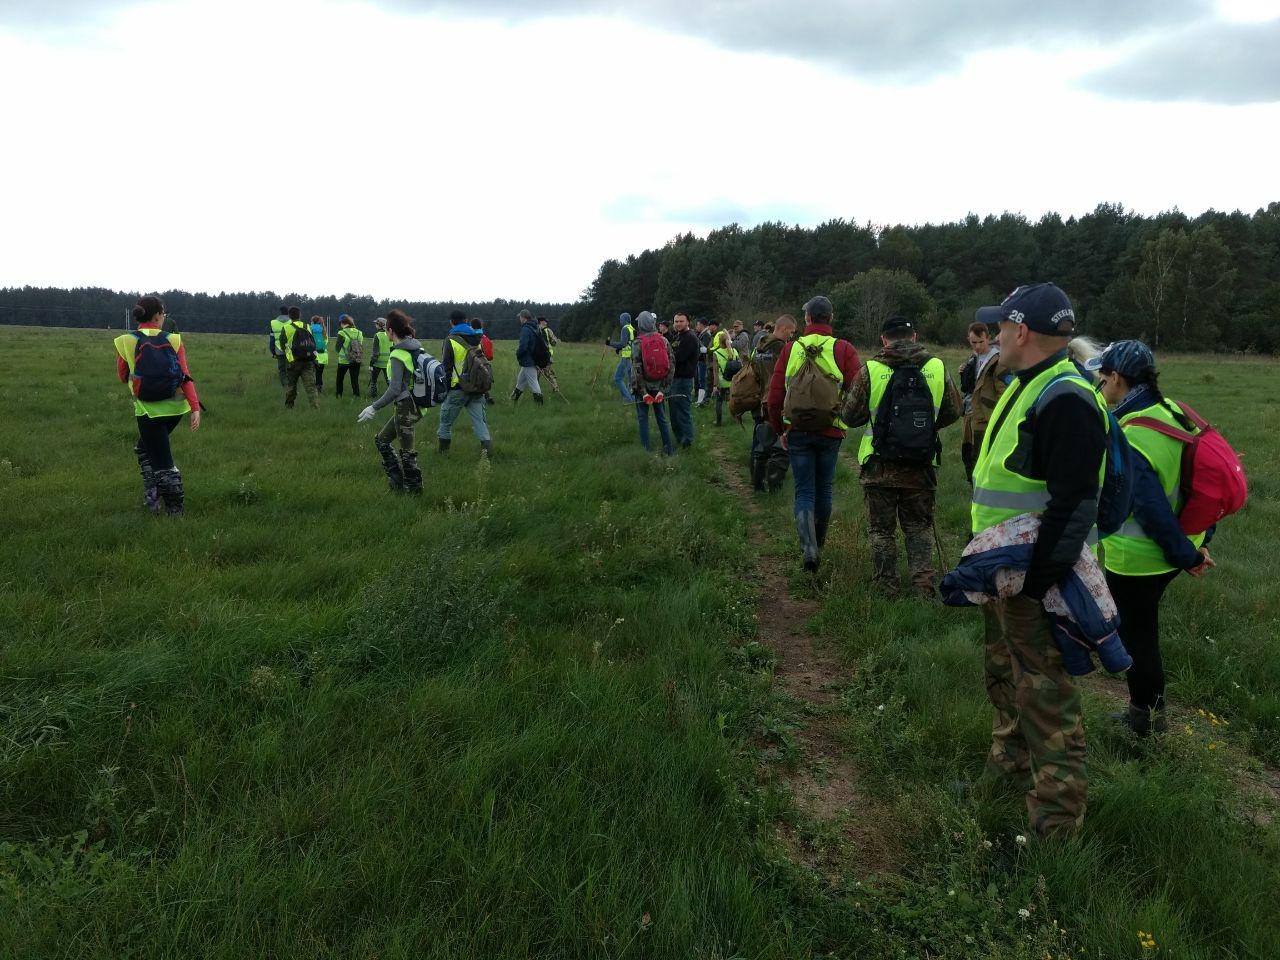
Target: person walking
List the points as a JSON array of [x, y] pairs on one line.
[[687, 352], [486, 347], [322, 351], [704, 347], [982, 379], [350, 353], [622, 347], [768, 456], [403, 473], [1043, 452], [722, 365], [470, 377], [529, 351], [277, 327], [380, 358], [1149, 551], [552, 341], [299, 348], [904, 397], [803, 407], [653, 365], [154, 366]]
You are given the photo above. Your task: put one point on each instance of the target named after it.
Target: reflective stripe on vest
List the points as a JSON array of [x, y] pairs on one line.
[[173, 407], [879, 374], [1130, 551], [546, 335], [1000, 492], [826, 362]]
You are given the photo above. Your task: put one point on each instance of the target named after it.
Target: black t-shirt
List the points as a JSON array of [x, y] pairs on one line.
[[687, 352]]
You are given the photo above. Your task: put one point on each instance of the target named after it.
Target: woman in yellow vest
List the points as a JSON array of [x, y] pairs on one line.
[[322, 350], [1145, 555], [403, 474], [154, 366], [380, 359], [722, 354]]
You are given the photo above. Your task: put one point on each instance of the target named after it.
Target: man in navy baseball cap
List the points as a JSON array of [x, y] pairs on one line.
[[1042, 307]]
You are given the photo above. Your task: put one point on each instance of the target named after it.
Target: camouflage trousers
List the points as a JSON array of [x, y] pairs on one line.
[[912, 508], [402, 427], [304, 370], [1037, 733]]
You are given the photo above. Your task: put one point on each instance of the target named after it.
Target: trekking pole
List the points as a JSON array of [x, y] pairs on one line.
[[599, 364], [937, 542]]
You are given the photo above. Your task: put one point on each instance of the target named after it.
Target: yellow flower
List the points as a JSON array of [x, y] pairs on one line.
[[1188, 729], [1201, 712]]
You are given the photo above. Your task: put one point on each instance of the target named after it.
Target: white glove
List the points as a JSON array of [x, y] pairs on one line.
[[702, 349], [366, 414]]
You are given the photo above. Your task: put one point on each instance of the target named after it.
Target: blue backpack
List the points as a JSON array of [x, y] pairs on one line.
[[1115, 499], [157, 374]]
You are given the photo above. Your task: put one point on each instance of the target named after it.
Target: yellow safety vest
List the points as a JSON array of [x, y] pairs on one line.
[[290, 331], [322, 356], [546, 335], [1130, 551], [173, 407], [459, 358], [826, 363], [1000, 492], [384, 350], [723, 355], [879, 374]]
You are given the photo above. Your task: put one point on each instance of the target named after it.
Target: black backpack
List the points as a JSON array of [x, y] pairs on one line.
[[541, 352], [304, 344], [157, 373], [905, 429]]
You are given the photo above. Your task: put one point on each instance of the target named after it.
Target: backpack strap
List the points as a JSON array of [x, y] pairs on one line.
[[1159, 426]]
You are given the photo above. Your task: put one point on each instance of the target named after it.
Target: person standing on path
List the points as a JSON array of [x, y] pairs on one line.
[[721, 372], [687, 352], [299, 348], [1149, 551], [811, 374], [622, 347], [904, 397], [462, 345], [768, 457], [380, 358], [322, 351], [527, 352], [154, 365], [650, 380], [1043, 452], [350, 353], [403, 474]]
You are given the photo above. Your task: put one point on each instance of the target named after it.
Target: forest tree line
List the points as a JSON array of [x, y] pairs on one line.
[[1209, 282], [247, 312]]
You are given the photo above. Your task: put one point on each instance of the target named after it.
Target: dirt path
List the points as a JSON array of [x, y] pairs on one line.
[[838, 829]]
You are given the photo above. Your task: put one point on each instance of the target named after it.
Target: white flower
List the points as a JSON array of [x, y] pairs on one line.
[[1024, 913], [1020, 840], [880, 709], [986, 844]]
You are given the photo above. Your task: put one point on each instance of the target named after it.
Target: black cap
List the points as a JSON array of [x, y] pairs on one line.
[[1041, 307], [897, 324], [819, 308]]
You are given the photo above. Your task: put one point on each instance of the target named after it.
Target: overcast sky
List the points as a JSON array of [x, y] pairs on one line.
[[469, 150]]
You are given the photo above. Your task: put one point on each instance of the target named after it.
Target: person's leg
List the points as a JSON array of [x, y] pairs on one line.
[[355, 379], [681, 411], [803, 467], [775, 473], [1050, 720], [719, 408], [308, 375], [528, 380], [155, 438], [660, 414], [828, 450], [622, 379], [479, 422], [1008, 756], [454, 401], [882, 512], [390, 463], [150, 492], [320, 377], [406, 421], [915, 514], [642, 419], [342, 375], [291, 384], [281, 364], [702, 382], [1138, 603]]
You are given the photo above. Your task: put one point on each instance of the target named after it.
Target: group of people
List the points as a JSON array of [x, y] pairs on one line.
[[1038, 412]]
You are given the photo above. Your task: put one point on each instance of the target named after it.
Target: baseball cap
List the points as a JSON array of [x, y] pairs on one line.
[[819, 307], [1129, 358], [896, 324], [1041, 307]]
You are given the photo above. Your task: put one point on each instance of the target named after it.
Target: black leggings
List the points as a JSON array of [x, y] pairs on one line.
[[1138, 602], [354, 370], [153, 434]]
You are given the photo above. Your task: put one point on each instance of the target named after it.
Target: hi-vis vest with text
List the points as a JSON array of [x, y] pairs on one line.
[[174, 407], [1001, 490], [1129, 551], [826, 362], [879, 374]]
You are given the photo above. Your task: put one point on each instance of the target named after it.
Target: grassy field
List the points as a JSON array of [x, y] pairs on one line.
[[534, 713]]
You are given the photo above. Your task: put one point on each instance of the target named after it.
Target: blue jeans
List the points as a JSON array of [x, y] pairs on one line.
[[813, 463], [642, 417], [680, 399], [454, 403], [622, 378], [702, 374]]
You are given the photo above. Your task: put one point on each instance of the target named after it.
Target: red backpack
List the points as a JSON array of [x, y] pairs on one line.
[[654, 365], [1213, 482]]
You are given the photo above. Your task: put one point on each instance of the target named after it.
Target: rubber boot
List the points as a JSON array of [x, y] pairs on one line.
[[820, 525], [443, 444], [1141, 721], [538, 399], [411, 472], [757, 475], [774, 474], [486, 448], [150, 492], [170, 485], [806, 527], [515, 395], [395, 476], [702, 397]]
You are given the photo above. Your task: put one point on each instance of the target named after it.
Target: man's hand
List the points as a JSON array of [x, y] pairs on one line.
[[195, 420], [366, 414], [1206, 563]]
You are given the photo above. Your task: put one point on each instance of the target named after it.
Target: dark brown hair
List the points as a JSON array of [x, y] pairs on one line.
[[147, 308], [979, 327], [295, 313], [400, 323]]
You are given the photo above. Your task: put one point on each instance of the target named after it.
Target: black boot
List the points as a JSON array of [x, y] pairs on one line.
[[443, 444], [820, 525], [486, 448], [395, 477], [537, 398], [1141, 721], [411, 471], [150, 492], [169, 483], [806, 527], [757, 475], [515, 394]]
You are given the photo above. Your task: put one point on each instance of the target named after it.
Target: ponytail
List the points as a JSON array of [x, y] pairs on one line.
[[145, 309], [400, 323]]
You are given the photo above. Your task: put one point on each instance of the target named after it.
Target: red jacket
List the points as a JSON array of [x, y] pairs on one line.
[[188, 387], [846, 359]]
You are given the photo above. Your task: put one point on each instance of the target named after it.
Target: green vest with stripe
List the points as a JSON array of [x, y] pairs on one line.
[[345, 336], [383, 359], [1129, 551], [460, 348], [405, 357], [290, 331], [879, 374], [826, 362], [175, 406], [723, 355], [1000, 490]]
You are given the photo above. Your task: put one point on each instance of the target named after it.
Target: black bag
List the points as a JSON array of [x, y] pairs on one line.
[[304, 344], [905, 429], [541, 352]]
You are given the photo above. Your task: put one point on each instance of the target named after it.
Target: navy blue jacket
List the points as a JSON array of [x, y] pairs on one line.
[[529, 334]]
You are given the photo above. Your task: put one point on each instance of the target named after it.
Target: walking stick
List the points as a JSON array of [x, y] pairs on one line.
[[599, 364], [937, 542]]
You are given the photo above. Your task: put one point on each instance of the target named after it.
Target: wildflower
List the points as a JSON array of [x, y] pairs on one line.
[[1020, 840], [1213, 746], [1188, 729], [1146, 941], [951, 893], [1201, 712], [880, 709], [986, 844], [1024, 913]]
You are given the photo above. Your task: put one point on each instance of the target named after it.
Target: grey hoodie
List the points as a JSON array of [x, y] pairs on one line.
[[399, 379]]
